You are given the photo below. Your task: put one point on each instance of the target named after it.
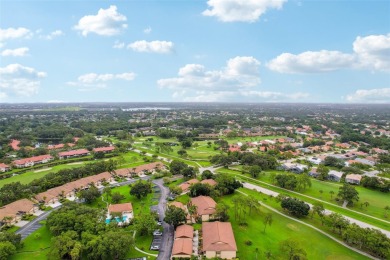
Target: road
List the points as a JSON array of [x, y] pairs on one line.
[[167, 237]]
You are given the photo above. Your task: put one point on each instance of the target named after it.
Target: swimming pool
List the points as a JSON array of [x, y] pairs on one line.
[[117, 219]]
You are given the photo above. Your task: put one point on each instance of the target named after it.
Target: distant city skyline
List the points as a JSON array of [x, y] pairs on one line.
[[195, 51]]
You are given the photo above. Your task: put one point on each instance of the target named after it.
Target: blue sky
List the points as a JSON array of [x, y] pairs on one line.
[[216, 50]]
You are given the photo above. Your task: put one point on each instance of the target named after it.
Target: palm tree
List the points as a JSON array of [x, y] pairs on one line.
[[331, 194], [321, 191], [387, 208]]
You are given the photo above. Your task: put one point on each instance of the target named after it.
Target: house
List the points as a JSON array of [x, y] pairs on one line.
[[183, 243], [335, 175], [353, 178], [365, 161], [142, 169], [73, 153], [4, 167], [13, 212], [185, 186], [313, 172], [124, 209], [205, 207], [294, 167], [218, 240], [107, 149], [27, 162], [15, 145], [314, 160], [210, 182]]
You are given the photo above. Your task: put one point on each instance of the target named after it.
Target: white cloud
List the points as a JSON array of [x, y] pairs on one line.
[[275, 95], [55, 101], [21, 80], [381, 95], [240, 10], [107, 22], [148, 30], [162, 47], [3, 95], [52, 35], [370, 52], [118, 45], [19, 52], [373, 51], [240, 72], [92, 81], [311, 62], [14, 33]]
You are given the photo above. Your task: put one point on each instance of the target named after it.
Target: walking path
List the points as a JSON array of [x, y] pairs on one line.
[[327, 212], [317, 229], [139, 250]]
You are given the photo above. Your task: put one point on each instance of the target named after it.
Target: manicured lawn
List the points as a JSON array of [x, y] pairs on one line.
[[262, 181], [252, 139], [35, 248], [183, 199], [316, 245], [144, 242]]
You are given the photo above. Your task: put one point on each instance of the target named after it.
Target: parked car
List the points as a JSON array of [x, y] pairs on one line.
[[159, 223], [155, 247], [157, 233]]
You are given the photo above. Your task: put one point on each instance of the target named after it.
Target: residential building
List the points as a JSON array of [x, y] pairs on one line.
[[218, 240], [4, 167], [205, 207], [124, 209], [210, 182], [183, 243], [13, 212], [73, 153], [314, 160], [294, 167], [185, 186], [139, 170], [335, 175], [107, 149], [28, 162], [353, 178], [313, 172]]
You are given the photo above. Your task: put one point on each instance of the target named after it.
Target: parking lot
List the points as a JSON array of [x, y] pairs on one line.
[[156, 243]]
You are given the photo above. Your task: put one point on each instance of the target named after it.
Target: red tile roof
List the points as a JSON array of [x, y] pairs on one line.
[[184, 231], [182, 246], [210, 182], [205, 205], [3, 165], [33, 159], [15, 144], [104, 149], [73, 152], [120, 207], [218, 236]]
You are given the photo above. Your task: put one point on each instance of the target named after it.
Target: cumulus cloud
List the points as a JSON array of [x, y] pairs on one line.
[[148, 30], [311, 62], [14, 33], [381, 95], [161, 47], [275, 95], [3, 95], [92, 81], [370, 52], [52, 35], [240, 10], [373, 51], [21, 80], [118, 45], [19, 52], [240, 72], [107, 22]]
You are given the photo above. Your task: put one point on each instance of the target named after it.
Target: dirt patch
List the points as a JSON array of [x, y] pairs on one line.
[[292, 227], [75, 163], [43, 170]]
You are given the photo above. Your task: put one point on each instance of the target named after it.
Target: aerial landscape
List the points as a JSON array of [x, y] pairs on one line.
[[199, 129]]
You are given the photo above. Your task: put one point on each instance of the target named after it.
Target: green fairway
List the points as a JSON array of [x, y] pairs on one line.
[[281, 229], [328, 205]]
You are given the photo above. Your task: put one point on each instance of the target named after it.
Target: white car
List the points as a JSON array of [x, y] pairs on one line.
[[157, 233], [155, 247]]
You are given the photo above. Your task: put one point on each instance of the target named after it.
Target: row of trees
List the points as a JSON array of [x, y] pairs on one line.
[[264, 161]]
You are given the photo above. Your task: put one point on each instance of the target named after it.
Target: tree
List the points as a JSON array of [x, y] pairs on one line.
[[189, 173], [331, 194], [387, 208], [176, 167], [175, 216], [145, 224], [267, 220], [90, 194], [66, 246], [199, 189], [318, 208], [338, 221], [141, 189], [303, 181], [296, 207], [292, 249], [333, 162], [321, 191], [6, 249], [286, 181], [222, 212], [323, 171], [182, 153], [254, 171], [98, 155], [226, 183], [348, 193], [186, 143], [116, 197], [207, 175], [107, 190]]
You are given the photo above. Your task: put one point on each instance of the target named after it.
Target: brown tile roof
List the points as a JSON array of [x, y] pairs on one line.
[[120, 207], [184, 231], [205, 205], [104, 149], [218, 236], [186, 185], [210, 182], [11, 210], [182, 246], [138, 169], [177, 204], [73, 152]]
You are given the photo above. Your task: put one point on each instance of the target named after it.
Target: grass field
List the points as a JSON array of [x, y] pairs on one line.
[[315, 244], [330, 206], [35, 248]]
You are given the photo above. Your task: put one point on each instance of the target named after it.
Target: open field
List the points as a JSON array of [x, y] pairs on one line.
[[281, 229], [330, 206]]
